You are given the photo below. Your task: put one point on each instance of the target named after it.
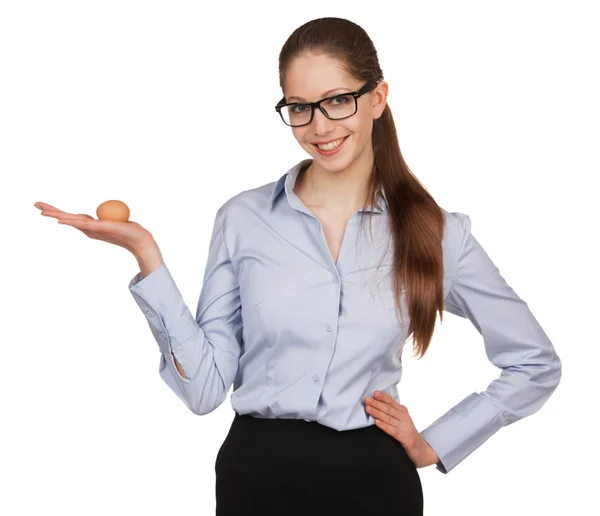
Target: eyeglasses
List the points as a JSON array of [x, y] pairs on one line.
[[338, 107]]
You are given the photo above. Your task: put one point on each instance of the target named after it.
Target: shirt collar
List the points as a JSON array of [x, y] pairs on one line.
[[288, 180]]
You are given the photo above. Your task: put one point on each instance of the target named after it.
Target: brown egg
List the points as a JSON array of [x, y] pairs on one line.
[[113, 210]]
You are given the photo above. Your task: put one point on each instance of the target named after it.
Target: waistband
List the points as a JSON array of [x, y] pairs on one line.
[[292, 423]]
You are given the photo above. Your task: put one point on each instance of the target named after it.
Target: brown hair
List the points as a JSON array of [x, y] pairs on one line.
[[416, 220]]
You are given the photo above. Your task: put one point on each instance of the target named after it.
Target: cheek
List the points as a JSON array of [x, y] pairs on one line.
[[301, 135], [360, 135], [361, 128], [366, 126]]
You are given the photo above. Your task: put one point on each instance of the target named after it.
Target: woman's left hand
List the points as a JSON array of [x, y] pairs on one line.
[[394, 419]]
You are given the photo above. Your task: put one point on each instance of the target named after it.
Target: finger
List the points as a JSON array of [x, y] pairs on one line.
[[388, 405], [44, 206], [53, 212], [85, 229], [77, 216], [383, 396], [390, 429], [386, 398], [89, 224], [385, 413], [67, 216]]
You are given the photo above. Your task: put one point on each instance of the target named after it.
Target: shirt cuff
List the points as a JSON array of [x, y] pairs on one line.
[[461, 430], [160, 300]]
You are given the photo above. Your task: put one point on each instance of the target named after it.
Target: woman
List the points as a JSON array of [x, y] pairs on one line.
[[306, 313]]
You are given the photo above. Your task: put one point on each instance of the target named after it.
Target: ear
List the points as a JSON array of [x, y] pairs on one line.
[[379, 99]]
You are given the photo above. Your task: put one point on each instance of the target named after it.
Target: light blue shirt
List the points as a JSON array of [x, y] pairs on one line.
[[299, 336]]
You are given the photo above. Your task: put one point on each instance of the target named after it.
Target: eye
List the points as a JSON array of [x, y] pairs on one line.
[[340, 100], [299, 108]]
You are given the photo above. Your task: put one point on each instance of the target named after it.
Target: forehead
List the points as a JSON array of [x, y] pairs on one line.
[[310, 75]]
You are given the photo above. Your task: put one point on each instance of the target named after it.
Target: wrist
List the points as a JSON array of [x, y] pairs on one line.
[[146, 248], [430, 457], [149, 258]]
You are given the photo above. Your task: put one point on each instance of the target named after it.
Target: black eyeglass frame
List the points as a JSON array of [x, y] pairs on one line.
[[314, 105]]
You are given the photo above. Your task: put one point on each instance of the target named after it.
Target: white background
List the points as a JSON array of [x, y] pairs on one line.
[[168, 106]]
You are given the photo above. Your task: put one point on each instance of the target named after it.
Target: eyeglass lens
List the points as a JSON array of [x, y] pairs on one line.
[[341, 106]]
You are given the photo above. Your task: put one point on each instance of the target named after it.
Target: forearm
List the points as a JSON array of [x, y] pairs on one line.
[[149, 259]]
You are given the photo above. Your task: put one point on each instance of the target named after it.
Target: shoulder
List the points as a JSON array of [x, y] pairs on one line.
[[247, 205], [248, 200], [456, 222], [457, 228]]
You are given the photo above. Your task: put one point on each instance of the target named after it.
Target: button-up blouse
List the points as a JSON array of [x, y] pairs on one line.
[[299, 335]]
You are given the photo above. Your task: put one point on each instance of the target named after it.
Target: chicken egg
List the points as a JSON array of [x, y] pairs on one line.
[[113, 210]]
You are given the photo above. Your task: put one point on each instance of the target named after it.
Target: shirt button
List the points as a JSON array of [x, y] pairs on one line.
[[344, 312], [162, 335], [149, 314], [316, 378], [336, 279], [327, 327]]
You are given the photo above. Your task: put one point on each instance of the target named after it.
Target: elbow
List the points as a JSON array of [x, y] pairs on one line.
[[557, 371], [548, 378], [207, 404], [547, 373], [201, 410], [215, 388]]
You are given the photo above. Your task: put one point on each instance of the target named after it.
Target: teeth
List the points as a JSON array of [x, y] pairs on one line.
[[330, 145]]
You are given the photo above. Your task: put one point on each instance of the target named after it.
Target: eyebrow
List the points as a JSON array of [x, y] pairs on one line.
[[322, 96]]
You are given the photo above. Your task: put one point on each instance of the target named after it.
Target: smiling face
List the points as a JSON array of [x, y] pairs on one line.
[[312, 77]]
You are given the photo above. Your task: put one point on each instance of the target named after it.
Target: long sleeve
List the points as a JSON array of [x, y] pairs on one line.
[[207, 346], [514, 342]]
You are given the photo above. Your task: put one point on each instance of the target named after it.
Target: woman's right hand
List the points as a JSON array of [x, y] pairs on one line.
[[129, 235]]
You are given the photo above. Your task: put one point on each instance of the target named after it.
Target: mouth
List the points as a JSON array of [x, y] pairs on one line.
[[331, 148]]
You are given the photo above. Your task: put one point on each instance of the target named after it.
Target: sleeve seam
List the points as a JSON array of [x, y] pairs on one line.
[[456, 268]]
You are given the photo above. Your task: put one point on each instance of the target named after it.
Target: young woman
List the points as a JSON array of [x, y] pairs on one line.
[[313, 284]]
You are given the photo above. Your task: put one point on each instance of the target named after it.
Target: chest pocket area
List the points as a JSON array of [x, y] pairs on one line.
[[378, 307]]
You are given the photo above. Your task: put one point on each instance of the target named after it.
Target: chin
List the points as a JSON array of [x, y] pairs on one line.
[[342, 161], [334, 163]]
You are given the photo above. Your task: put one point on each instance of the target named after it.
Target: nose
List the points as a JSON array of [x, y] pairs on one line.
[[321, 124]]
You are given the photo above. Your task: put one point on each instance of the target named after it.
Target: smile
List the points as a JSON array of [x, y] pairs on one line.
[[330, 148]]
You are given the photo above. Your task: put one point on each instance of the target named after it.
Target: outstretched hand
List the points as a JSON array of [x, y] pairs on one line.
[[394, 419], [129, 235]]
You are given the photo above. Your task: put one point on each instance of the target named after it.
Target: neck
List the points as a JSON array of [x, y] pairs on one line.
[[337, 191]]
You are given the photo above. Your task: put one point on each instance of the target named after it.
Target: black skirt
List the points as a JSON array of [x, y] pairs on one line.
[[296, 467]]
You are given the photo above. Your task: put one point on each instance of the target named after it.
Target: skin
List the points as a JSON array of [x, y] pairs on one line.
[[130, 235], [337, 185]]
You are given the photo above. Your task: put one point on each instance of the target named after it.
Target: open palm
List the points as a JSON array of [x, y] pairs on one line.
[[129, 235]]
